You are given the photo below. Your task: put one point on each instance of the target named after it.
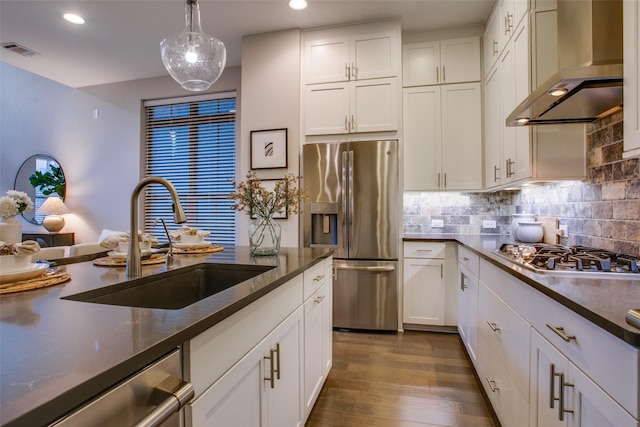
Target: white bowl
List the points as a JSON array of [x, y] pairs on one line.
[[530, 232], [13, 263], [191, 238]]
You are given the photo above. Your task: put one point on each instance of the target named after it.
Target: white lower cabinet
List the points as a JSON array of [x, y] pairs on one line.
[[467, 288], [562, 395], [262, 389], [264, 365], [428, 297], [503, 358], [542, 365]]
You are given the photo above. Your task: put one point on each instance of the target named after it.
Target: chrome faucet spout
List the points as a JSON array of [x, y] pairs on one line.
[[134, 263]]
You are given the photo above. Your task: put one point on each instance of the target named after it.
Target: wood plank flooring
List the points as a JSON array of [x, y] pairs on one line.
[[410, 379]]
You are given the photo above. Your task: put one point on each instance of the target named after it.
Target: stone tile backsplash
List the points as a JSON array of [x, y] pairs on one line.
[[603, 211]]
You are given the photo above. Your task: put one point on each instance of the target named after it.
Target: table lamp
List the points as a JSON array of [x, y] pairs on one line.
[[53, 207]]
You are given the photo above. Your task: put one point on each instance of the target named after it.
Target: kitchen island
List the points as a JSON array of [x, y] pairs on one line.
[[57, 354]]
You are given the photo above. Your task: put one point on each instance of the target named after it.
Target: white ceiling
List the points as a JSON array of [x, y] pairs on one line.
[[120, 40]]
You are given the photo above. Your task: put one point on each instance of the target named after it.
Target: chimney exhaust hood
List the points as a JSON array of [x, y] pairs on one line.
[[588, 85]]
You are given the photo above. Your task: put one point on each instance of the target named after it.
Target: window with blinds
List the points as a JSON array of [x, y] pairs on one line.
[[192, 143]]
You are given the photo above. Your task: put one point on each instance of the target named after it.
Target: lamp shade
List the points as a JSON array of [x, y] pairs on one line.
[[193, 58], [53, 207]]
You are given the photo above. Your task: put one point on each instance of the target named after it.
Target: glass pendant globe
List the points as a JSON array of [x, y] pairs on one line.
[[194, 59]]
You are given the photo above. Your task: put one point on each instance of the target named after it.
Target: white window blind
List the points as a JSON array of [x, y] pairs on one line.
[[192, 143]]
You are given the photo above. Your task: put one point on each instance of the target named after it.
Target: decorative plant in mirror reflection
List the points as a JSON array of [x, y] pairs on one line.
[[50, 181]]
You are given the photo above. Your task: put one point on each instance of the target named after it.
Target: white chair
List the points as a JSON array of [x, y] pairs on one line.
[[86, 249], [50, 254]]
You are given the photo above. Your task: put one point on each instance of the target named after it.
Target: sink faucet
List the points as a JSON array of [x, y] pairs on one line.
[[134, 263], [169, 257]]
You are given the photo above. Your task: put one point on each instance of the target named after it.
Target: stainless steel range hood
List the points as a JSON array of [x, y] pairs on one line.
[[588, 84]]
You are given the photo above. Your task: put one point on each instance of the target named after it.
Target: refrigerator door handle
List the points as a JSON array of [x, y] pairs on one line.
[[351, 235], [382, 269], [344, 198]]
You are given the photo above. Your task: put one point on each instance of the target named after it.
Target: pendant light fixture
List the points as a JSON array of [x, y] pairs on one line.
[[193, 58]]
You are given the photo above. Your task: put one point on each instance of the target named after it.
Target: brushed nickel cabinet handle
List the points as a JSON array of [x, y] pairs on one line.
[[424, 250], [437, 76], [347, 71], [318, 278], [492, 384], [464, 258], [319, 299], [561, 409], [438, 179], [354, 71], [271, 378], [277, 351], [444, 78], [552, 382], [559, 330], [495, 173], [494, 327], [445, 180], [463, 282], [495, 47]]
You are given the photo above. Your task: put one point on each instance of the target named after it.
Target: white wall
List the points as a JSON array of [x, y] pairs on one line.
[[271, 100], [100, 157]]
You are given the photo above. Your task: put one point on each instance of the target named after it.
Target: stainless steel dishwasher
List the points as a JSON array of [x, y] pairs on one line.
[[154, 396]]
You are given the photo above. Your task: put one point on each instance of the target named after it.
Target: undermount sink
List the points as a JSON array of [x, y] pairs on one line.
[[172, 290]]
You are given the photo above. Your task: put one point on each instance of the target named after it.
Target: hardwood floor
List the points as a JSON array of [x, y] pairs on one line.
[[410, 379]]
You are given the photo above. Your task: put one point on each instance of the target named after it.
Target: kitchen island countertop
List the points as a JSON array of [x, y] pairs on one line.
[[603, 302], [57, 354]]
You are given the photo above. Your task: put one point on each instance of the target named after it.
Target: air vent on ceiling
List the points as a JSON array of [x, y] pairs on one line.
[[15, 47]]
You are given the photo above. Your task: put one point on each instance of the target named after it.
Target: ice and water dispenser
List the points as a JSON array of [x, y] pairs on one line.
[[324, 224]]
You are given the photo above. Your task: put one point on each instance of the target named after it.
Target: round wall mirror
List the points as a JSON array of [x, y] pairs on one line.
[[40, 176]]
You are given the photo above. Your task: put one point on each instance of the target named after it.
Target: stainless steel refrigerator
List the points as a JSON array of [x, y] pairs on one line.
[[353, 207]]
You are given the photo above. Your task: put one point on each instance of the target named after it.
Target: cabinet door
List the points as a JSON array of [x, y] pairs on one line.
[[631, 24], [468, 311], [492, 130], [522, 134], [374, 56], [284, 399], [420, 64], [235, 399], [592, 406], [327, 109], [547, 364], [460, 60], [327, 320], [422, 135], [462, 136], [327, 60], [313, 343], [374, 105], [507, 104], [424, 291], [491, 48]]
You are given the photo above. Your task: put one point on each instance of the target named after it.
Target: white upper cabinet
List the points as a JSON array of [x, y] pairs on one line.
[[441, 62], [491, 42], [631, 24], [350, 79], [352, 57]]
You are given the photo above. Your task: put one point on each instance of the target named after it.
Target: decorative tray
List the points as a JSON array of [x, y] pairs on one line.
[[47, 278], [122, 262]]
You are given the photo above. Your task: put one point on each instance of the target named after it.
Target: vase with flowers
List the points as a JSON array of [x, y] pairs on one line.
[[258, 202], [14, 203]]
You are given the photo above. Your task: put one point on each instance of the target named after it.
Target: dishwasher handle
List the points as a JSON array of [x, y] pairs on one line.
[[382, 268], [173, 400]]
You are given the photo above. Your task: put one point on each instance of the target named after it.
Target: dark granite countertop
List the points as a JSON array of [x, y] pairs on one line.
[[602, 301], [56, 354]]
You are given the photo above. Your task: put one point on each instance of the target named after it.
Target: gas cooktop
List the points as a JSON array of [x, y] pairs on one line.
[[574, 260]]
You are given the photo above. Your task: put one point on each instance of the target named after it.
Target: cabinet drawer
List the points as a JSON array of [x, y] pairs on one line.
[[424, 249], [469, 259], [314, 278]]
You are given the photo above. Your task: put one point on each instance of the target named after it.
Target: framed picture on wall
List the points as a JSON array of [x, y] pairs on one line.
[[268, 149], [270, 185]]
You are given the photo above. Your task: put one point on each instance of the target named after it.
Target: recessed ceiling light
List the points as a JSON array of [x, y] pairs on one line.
[[73, 18], [298, 4]]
